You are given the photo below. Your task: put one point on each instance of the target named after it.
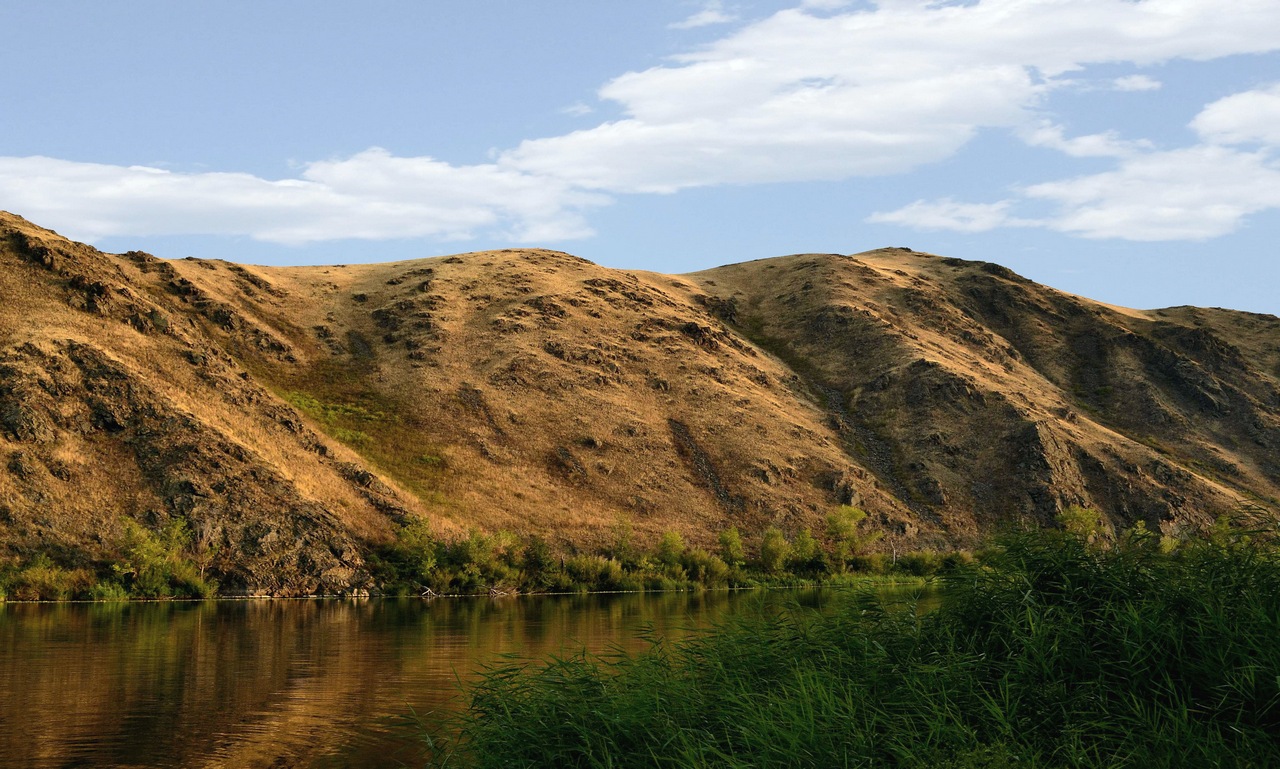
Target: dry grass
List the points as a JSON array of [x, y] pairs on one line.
[[533, 391]]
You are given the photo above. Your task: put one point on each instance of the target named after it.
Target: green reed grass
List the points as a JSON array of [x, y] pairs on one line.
[[1050, 653]]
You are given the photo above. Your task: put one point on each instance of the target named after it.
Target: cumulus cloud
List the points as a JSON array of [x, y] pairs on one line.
[[804, 95], [1243, 118], [1191, 193], [370, 195]]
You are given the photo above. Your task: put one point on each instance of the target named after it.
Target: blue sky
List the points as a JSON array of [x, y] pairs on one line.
[[1124, 150]]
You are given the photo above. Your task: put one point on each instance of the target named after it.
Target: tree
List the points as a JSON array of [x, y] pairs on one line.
[[670, 549], [1087, 524], [844, 536], [731, 550], [806, 555], [774, 549]]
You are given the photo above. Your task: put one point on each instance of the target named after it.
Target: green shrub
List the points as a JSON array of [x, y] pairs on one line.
[[155, 564], [871, 563], [774, 550], [108, 590], [922, 563], [43, 580], [805, 558], [844, 537], [704, 568], [595, 572], [539, 564], [732, 551], [670, 549]]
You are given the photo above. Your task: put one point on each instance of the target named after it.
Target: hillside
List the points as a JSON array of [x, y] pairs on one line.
[[294, 418]]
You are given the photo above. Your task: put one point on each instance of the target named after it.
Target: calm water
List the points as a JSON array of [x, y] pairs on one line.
[[324, 683]]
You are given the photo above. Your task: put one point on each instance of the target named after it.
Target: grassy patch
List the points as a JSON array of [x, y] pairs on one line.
[[373, 425], [1053, 652]]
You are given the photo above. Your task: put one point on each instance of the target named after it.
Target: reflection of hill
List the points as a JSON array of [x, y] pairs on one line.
[[273, 684]]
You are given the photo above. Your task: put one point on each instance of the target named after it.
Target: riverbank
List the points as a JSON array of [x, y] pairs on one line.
[[163, 564], [1051, 652]]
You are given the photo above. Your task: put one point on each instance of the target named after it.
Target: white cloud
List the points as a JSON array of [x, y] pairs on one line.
[[370, 195], [946, 214], [1187, 194], [1136, 83], [1190, 193], [823, 91], [1107, 144], [1243, 118], [713, 13], [577, 109], [804, 95]]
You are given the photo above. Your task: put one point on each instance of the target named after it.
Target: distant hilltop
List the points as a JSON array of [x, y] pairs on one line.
[[294, 417]]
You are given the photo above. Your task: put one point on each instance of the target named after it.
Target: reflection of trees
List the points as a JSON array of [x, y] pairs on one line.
[[277, 683]]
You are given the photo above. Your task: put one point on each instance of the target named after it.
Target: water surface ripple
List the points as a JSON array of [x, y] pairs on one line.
[[317, 683]]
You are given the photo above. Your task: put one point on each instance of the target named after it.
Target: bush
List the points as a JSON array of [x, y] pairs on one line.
[[155, 564], [670, 549], [922, 563], [774, 550], [43, 580], [539, 564], [108, 591], [706, 569], [595, 572], [732, 551], [806, 558]]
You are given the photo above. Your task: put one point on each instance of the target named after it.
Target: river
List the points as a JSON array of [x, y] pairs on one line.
[[278, 683]]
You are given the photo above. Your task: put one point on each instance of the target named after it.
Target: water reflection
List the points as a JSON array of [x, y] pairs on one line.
[[287, 683], [278, 683]]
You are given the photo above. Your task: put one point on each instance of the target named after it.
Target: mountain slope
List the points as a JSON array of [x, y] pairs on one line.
[[293, 418]]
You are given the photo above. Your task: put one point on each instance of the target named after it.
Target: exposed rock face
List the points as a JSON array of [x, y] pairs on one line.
[[293, 417], [980, 397]]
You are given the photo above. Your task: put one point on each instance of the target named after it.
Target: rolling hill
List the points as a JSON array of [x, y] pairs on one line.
[[293, 418]]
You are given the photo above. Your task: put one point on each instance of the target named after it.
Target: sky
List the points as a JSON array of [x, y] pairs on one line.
[[1125, 150]]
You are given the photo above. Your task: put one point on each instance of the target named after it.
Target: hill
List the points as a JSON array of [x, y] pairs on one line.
[[287, 420]]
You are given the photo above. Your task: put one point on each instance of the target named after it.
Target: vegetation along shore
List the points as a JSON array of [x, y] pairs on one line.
[[151, 565], [1055, 649]]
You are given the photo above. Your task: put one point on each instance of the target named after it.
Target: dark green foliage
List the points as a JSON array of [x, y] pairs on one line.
[[1054, 652]]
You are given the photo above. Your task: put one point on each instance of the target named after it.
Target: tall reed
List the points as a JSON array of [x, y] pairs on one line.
[[1052, 652]]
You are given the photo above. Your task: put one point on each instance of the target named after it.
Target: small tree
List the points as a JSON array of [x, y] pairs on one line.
[[774, 549], [623, 549], [731, 550], [806, 555], [843, 535], [670, 549], [1087, 524]]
